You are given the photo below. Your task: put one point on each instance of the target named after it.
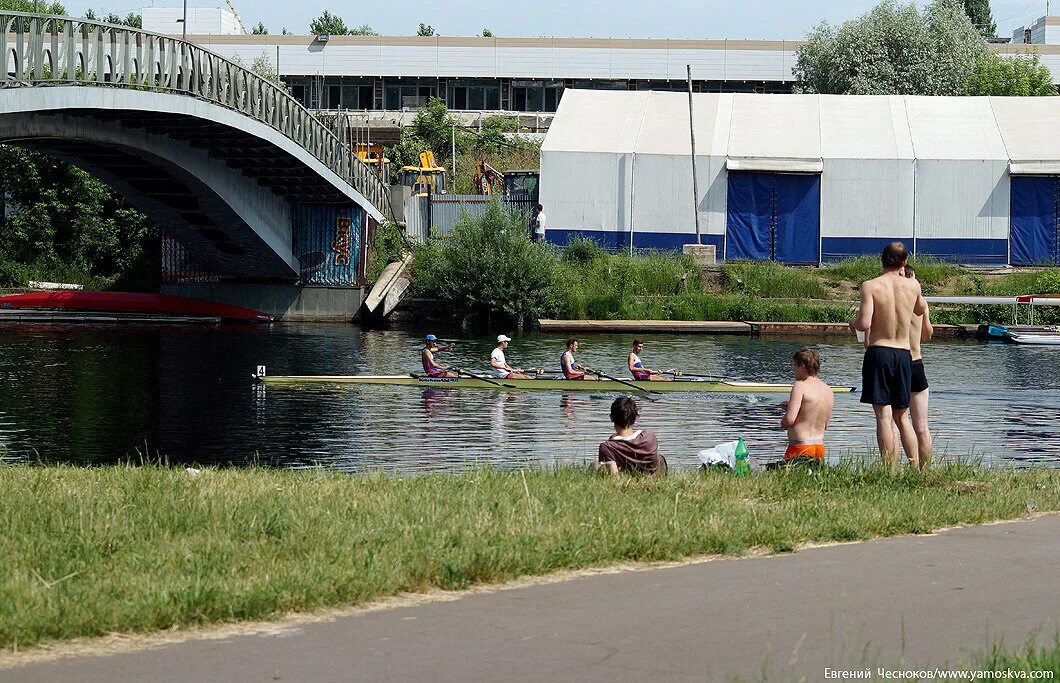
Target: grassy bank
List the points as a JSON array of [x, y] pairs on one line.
[[87, 551], [487, 270]]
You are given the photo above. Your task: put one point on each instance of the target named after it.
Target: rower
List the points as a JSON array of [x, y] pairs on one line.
[[637, 367], [571, 370], [500, 364], [430, 366]]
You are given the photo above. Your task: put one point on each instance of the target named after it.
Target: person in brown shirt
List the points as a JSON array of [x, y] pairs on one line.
[[635, 451]]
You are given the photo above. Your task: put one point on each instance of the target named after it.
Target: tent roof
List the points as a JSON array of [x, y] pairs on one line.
[[762, 131]]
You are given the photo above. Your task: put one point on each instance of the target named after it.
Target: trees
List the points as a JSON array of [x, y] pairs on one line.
[[1022, 75], [893, 50], [328, 23], [260, 30], [979, 12], [486, 33], [426, 31], [131, 19], [334, 25], [488, 269], [431, 129], [27, 6], [66, 221]]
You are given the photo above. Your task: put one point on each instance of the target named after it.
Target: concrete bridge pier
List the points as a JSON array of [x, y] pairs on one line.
[[288, 303]]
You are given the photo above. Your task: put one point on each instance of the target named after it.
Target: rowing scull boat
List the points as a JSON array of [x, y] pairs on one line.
[[729, 386]]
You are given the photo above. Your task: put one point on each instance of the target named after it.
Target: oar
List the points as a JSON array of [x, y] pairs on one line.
[[487, 380], [647, 392], [678, 373]]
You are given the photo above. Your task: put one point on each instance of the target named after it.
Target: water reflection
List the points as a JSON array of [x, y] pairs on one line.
[[106, 393]]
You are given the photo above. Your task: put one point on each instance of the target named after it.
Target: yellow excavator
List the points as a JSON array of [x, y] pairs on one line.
[[488, 180], [372, 155], [427, 178]]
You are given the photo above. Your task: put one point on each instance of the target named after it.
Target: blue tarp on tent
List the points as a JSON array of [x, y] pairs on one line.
[[774, 216], [1035, 209]]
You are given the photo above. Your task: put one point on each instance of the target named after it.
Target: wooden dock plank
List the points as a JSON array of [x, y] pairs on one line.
[[645, 326]]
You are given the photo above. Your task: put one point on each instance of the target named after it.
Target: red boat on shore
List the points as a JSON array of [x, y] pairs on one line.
[[130, 302]]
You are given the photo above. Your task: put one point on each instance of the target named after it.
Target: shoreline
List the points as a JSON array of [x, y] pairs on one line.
[[715, 327]]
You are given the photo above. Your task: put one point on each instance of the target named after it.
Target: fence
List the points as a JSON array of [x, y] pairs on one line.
[[435, 215]]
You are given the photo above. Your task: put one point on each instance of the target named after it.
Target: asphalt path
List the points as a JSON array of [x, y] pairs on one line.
[[900, 603]]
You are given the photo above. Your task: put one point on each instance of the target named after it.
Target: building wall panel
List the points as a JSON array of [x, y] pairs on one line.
[[966, 199], [638, 63], [867, 198], [408, 61], [581, 63], [587, 191]]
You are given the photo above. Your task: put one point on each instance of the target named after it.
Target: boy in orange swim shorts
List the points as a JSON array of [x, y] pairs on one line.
[[807, 410]]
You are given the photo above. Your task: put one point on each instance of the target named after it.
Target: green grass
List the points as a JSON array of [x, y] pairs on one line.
[[592, 284], [767, 279], [700, 306], [88, 551], [855, 270], [930, 271], [1029, 658]]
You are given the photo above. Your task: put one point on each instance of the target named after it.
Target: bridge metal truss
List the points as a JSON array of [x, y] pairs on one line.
[[38, 50]]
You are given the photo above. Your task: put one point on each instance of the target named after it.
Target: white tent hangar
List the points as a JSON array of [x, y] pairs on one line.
[[808, 178]]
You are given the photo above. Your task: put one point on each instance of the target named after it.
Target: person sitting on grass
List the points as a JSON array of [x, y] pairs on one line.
[[806, 412], [629, 450]]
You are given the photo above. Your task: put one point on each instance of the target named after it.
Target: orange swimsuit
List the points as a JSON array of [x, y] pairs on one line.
[[805, 450]]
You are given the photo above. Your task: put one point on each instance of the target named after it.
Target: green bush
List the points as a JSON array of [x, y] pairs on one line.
[[388, 245], [488, 269], [768, 279], [12, 273], [583, 251]]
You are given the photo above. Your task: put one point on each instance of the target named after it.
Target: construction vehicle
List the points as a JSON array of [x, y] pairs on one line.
[[427, 178], [488, 180], [523, 184], [372, 155], [519, 184]]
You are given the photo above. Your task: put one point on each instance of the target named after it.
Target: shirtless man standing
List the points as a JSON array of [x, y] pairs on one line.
[[807, 411], [888, 304], [920, 330]]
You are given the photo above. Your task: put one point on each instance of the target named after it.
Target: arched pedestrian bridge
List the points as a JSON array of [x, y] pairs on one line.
[[247, 182]]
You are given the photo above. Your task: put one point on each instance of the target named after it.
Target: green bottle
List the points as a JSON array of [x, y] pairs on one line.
[[743, 462]]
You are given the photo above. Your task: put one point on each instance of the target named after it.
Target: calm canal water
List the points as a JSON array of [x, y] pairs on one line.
[[104, 394]]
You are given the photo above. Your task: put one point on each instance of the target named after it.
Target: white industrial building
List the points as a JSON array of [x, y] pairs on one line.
[[201, 21], [512, 74], [808, 178]]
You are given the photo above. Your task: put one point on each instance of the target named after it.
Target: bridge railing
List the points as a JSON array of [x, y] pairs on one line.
[[54, 50]]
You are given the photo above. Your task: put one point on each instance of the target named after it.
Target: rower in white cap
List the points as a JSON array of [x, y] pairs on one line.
[[500, 365]]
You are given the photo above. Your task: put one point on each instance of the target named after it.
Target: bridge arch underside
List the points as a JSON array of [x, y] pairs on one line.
[[224, 194]]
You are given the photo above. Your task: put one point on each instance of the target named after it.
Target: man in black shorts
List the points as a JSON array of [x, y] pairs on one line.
[[888, 303], [920, 330]]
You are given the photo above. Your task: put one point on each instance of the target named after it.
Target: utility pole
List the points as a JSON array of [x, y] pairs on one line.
[[452, 164], [695, 178], [184, 23]]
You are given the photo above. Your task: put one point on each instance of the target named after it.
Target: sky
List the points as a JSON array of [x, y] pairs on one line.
[[753, 19]]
